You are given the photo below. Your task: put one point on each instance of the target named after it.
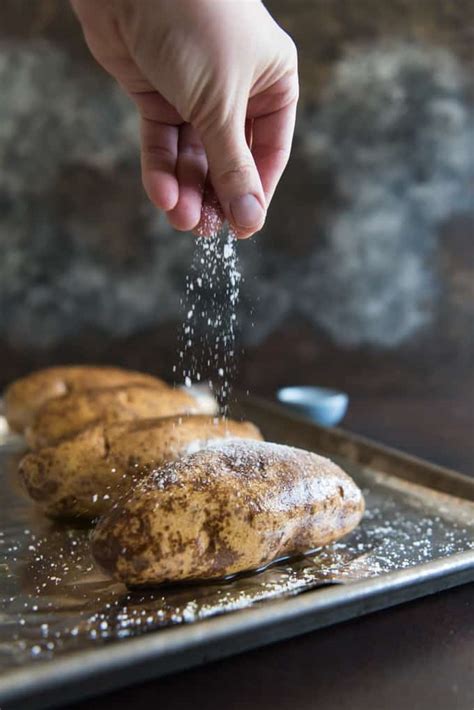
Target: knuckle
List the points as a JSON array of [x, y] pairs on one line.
[[157, 154], [210, 118], [292, 52], [289, 55], [236, 170], [193, 149]]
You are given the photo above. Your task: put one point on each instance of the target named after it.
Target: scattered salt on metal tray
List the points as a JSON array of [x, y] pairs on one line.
[[54, 599]]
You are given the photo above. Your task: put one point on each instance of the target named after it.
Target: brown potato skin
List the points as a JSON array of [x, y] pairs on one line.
[[24, 397], [65, 416], [225, 510], [83, 476]]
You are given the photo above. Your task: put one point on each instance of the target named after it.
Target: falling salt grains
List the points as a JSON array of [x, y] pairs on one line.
[[207, 344]]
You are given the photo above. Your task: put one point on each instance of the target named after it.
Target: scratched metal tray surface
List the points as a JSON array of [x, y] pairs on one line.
[[67, 631]]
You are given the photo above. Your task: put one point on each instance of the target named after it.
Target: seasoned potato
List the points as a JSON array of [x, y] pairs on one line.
[[24, 397], [67, 415], [225, 509], [84, 475]]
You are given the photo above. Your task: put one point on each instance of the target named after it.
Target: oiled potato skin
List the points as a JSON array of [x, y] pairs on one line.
[[226, 510], [84, 475], [24, 397], [67, 415]]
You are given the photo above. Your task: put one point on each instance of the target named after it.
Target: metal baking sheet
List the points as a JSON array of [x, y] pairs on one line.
[[62, 622]]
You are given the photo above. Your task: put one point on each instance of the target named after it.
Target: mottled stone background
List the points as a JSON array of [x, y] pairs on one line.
[[364, 275]]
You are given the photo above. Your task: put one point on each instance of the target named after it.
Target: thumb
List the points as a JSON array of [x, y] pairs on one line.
[[235, 177]]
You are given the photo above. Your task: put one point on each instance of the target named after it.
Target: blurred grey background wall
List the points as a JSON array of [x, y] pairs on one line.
[[363, 277]]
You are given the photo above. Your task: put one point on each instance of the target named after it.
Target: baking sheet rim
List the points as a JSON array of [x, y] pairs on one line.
[[116, 665], [182, 641], [420, 470]]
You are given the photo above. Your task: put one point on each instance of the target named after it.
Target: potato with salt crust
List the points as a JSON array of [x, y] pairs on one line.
[[24, 397], [84, 475], [66, 416], [223, 510]]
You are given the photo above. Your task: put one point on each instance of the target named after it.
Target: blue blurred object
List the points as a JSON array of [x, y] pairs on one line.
[[324, 406]]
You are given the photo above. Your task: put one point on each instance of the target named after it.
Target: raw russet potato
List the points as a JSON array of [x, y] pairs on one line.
[[84, 475], [24, 397], [223, 510], [65, 416]]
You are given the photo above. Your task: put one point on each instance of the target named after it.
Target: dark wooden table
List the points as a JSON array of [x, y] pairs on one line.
[[418, 656]]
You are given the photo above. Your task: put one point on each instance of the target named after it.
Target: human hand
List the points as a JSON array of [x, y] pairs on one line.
[[210, 78]]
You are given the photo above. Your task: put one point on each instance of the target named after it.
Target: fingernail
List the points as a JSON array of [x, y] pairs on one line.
[[246, 211]]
